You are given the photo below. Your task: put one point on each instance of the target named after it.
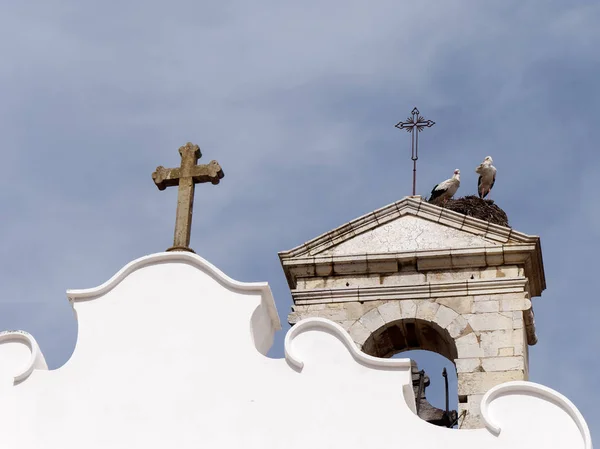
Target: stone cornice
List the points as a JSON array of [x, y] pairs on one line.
[[527, 254], [420, 291]]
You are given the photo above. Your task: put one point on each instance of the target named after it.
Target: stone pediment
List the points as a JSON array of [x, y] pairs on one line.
[[415, 230], [408, 233], [411, 224]]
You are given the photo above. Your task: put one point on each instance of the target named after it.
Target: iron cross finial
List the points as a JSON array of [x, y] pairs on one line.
[[416, 122]]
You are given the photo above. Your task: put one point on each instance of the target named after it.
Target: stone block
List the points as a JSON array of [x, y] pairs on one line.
[[355, 310], [489, 321], [372, 320], [408, 308], [468, 365], [390, 311], [493, 340], [410, 278], [503, 363], [315, 307], [451, 275], [457, 326], [506, 352], [508, 305], [426, 310], [474, 403], [346, 324], [498, 296], [519, 341], [468, 347], [359, 333], [485, 307], [444, 316], [480, 383], [332, 314], [460, 304]]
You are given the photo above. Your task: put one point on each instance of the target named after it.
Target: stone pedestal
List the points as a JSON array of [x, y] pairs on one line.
[[416, 276]]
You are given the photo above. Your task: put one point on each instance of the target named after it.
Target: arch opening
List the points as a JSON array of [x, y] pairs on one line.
[[409, 334], [431, 349]]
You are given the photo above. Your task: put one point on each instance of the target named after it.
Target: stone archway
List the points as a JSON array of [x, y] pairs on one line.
[[397, 326], [408, 334]]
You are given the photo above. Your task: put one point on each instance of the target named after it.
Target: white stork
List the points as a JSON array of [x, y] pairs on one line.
[[487, 177], [446, 189]]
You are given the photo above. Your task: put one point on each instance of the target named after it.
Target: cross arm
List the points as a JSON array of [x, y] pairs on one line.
[[211, 172], [166, 177]]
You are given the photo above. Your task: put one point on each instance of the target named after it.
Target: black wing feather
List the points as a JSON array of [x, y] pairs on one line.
[[436, 193]]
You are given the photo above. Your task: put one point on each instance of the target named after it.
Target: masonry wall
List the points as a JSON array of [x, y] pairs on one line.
[[484, 331]]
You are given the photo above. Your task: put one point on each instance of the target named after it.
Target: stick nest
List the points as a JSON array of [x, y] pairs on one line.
[[475, 207]]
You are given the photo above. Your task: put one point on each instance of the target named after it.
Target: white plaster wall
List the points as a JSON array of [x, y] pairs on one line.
[[170, 353]]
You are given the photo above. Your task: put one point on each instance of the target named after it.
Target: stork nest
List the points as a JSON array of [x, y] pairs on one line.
[[475, 207]]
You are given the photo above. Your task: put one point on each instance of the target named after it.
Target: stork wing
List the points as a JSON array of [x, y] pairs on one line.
[[436, 193]]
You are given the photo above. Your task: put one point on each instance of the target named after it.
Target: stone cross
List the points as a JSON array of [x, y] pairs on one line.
[[186, 177]]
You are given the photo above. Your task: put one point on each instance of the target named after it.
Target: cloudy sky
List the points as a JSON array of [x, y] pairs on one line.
[[297, 101]]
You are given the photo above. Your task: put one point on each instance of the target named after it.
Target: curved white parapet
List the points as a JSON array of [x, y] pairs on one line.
[[325, 325], [17, 339], [180, 256], [522, 389]]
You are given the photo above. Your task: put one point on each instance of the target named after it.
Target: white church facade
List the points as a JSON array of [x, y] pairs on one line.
[[149, 369]]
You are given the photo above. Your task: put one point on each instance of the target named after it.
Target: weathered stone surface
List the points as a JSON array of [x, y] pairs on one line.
[[507, 305], [362, 280], [498, 297], [489, 321], [468, 347], [186, 176], [355, 310], [468, 365], [480, 383], [390, 311], [519, 339], [492, 341], [359, 332], [444, 316], [372, 320], [457, 326], [485, 307], [503, 363], [408, 233], [508, 271], [460, 304], [408, 308], [506, 352], [426, 310], [439, 276]]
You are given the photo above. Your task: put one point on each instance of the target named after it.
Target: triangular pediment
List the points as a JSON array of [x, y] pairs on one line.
[[407, 233], [411, 224]]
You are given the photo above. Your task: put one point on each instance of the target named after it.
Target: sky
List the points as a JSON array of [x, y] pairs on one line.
[[298, 102]]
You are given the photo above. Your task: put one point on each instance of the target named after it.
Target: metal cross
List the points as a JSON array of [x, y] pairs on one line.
[[416, 122], [186, 176]]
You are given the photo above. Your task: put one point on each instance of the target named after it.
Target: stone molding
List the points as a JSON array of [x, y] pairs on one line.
[[419, 291]]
